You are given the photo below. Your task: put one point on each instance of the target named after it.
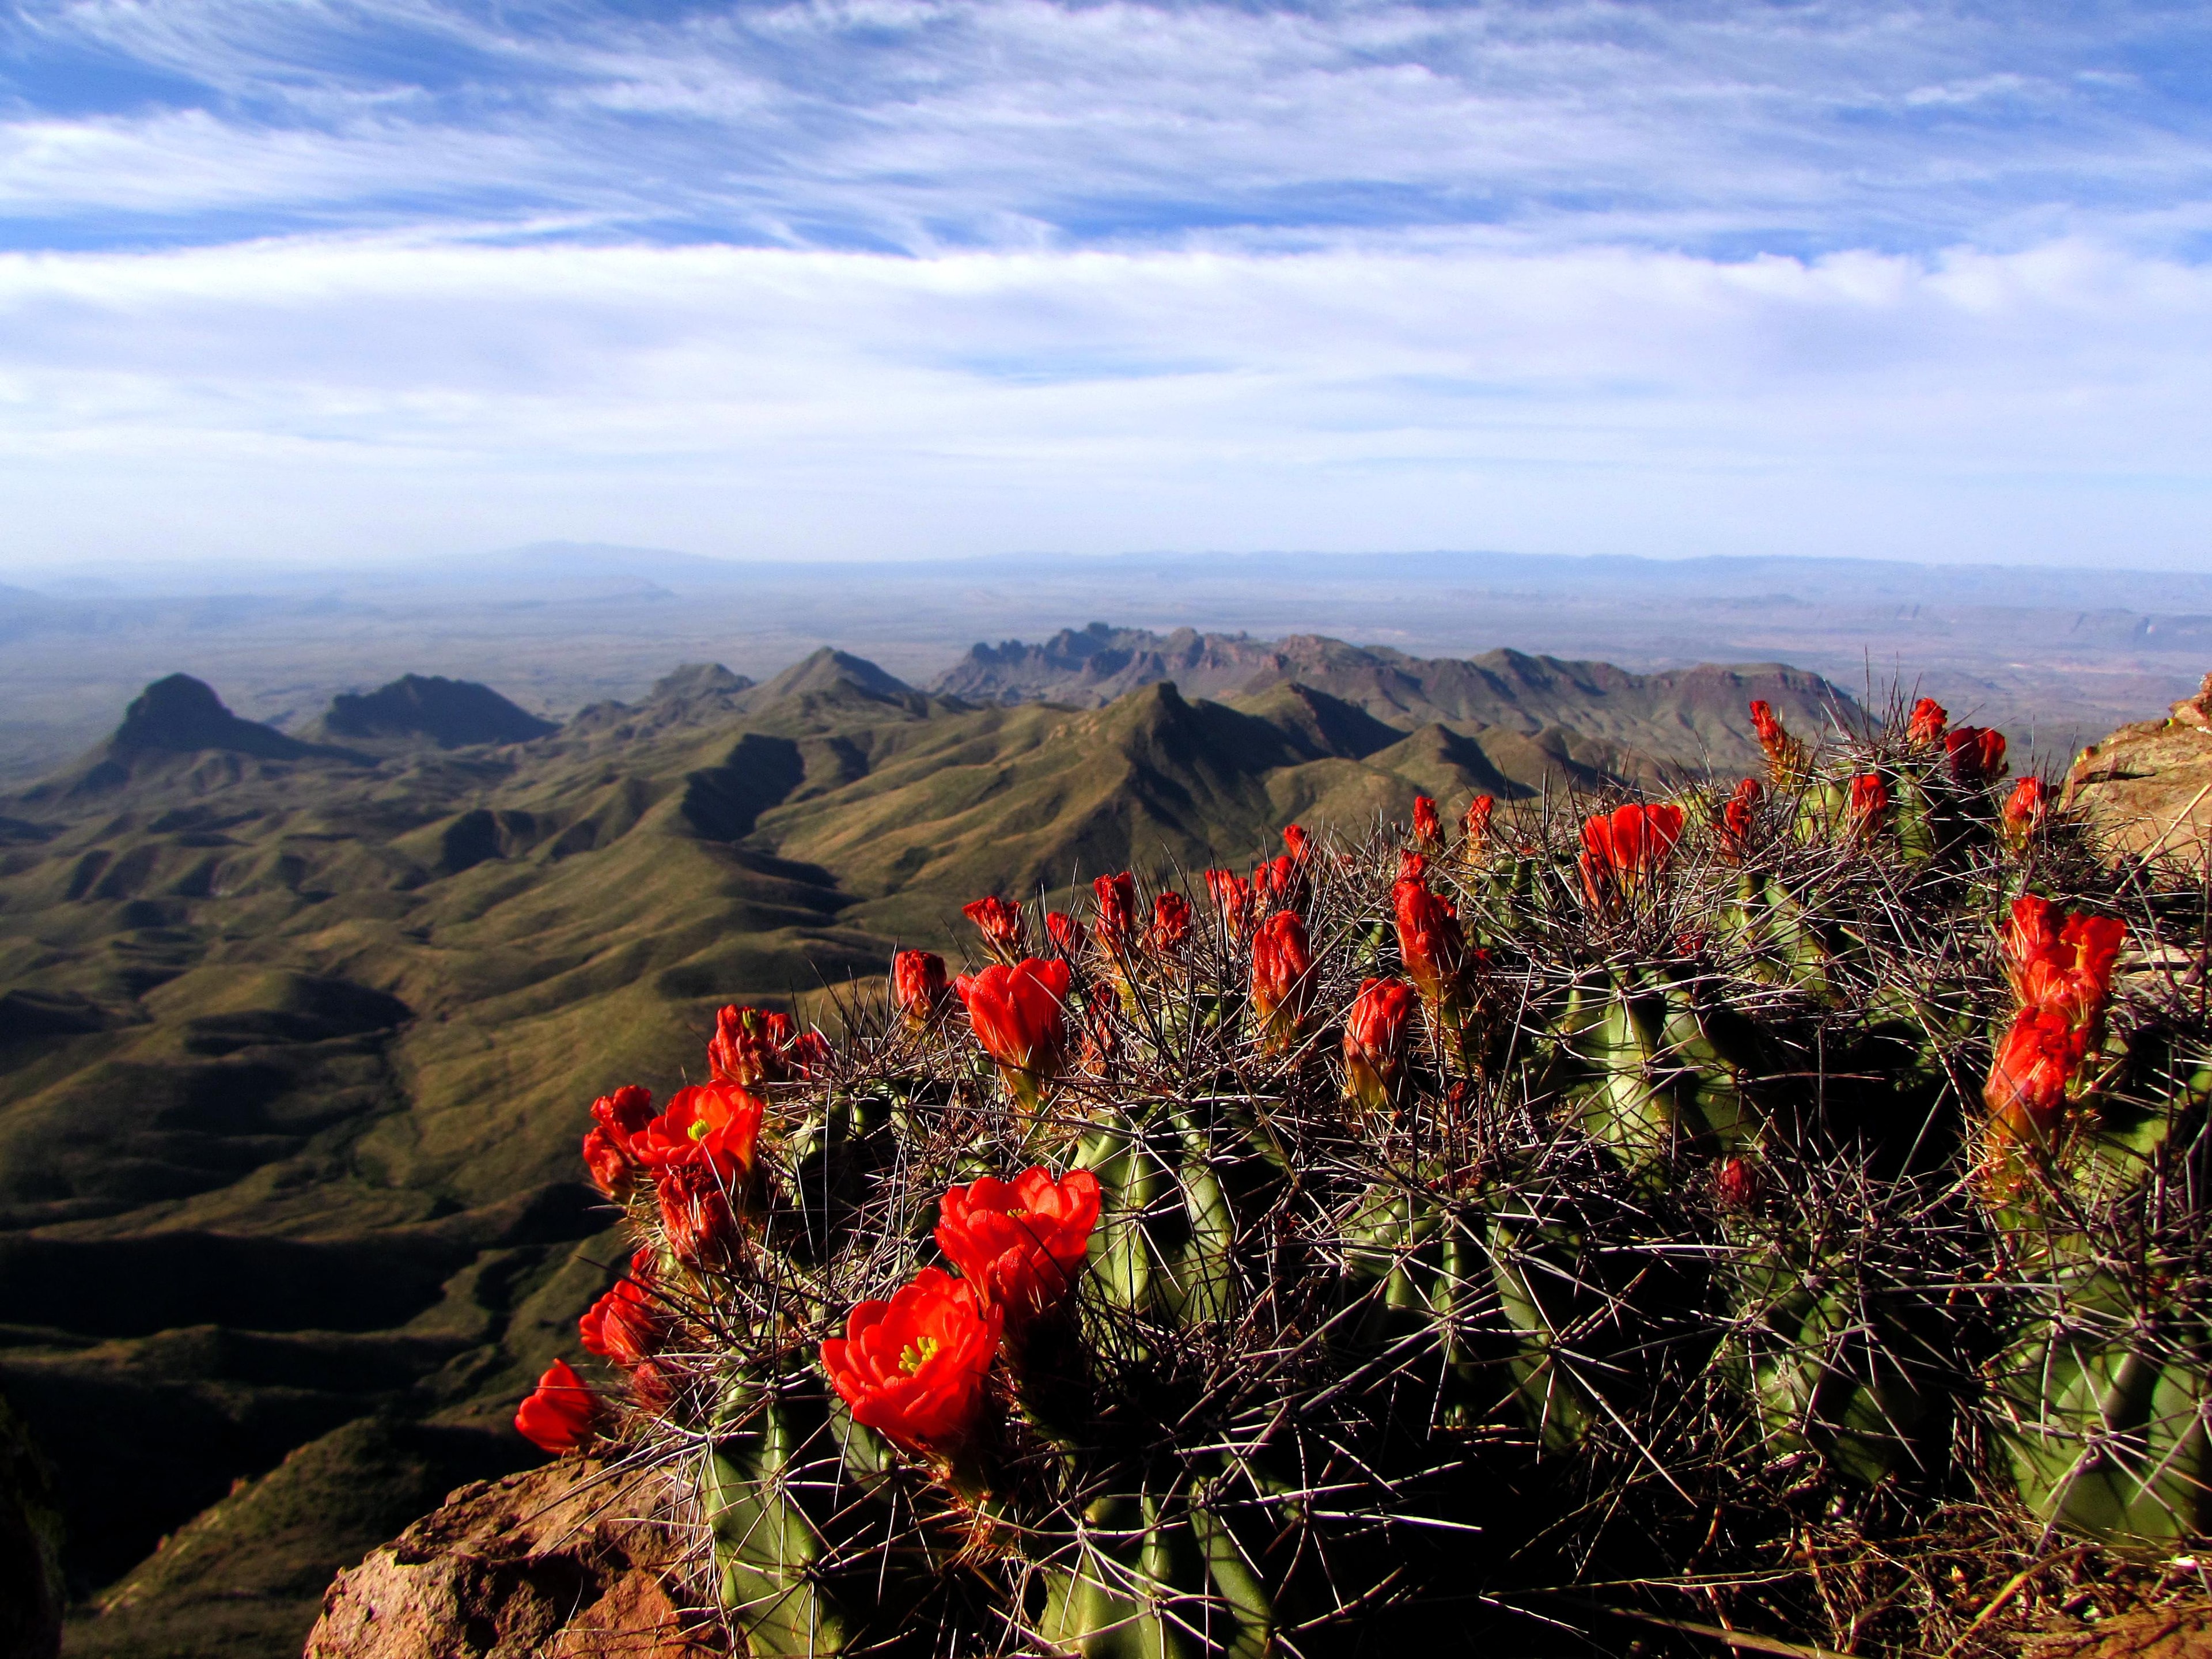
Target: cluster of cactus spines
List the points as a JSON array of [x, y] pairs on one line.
[[1621, 1195]]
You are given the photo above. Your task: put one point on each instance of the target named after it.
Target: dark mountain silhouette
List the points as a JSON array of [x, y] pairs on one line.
[[298, 1041], [452, 713]]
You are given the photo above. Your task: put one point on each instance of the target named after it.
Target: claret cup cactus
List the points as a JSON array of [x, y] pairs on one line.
[[1590, 1215]]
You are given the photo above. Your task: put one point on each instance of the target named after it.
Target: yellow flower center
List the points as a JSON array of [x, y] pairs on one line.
[[914, 1358]]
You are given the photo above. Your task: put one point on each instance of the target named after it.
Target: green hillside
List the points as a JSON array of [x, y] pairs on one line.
[[297, 1037]]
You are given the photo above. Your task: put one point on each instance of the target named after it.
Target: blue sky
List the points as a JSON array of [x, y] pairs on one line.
[[294, 280]]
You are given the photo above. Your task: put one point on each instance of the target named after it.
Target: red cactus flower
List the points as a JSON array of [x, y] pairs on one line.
[[2060, 966], [1926, 726], [1474, 824], [1019, 1017], [1020, 1243], [919, 987], [1068, 935], [2025, 811], [1282, 979], [1739, 815], [1171, 924], [611, 1168], [749, 1045], [913, 1368], [557, 1416], [626, 1325], [624, 1112], [810, 1054], [697, 1213], [714, 1124], [1430, 940], [1299, 842], [1736, 1183], [1279, 883], [1005, 930], [1114, 911], [1428, 829], [1375, 1042], [1870, 804], [1977, 755], [1785, 755], [1232, 900], [1624, 849]]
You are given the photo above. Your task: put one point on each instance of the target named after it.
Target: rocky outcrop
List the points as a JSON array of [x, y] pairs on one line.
[[451, 714], [2148, 786], [569, 1561]]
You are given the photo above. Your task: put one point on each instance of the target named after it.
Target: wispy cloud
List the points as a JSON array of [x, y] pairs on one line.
[[885, 275]]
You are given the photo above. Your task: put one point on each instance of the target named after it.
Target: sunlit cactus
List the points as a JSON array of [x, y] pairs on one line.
[[1615, 1195]]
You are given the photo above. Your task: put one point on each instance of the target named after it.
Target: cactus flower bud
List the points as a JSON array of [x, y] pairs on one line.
[[696, 1213], [1977, 755], [625, 1325], [558, 1414], [1232, 900], [749, 1045], [1171, 925], [1624, 849], [1738, 819], [1736, 1183], [919, 987], [913, 1368], [1282, 979], [1279, 883], [1926, 726], [1019, 1017], [1113, 912], [1870, 806], [1005, 929], [2025, 811], [1299, 842], [1786, 757], [1375, 1042], [1428, 829], [611, 1168], [1475, 827], [1021, 1243]]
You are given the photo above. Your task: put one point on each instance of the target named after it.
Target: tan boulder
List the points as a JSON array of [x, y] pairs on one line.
[[2148, 786], [574, 1560]]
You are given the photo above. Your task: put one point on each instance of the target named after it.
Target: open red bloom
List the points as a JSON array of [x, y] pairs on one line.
[[2025, 811], [1066, 933], [1232, 897], [1785, 755], [626, 1325], [1020, 1243], [919, 987], [2062, 960], [1019, 1017], [1925, 725], [749, 1045], [1427, 829], [1869, 804], [913, 1368], [557, 1416], [1282, 979], [714, 1124], [1005, 930], [1171, 924], [1626, 848], [1375, 1040], [1976, 754]]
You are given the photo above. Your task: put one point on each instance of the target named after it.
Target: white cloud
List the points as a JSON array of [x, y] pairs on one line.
[[360, 396]]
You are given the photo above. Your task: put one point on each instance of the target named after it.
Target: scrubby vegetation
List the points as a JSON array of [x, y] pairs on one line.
[[1775, 1209]]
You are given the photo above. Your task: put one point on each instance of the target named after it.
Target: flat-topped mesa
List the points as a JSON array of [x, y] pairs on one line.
[[451, 714]]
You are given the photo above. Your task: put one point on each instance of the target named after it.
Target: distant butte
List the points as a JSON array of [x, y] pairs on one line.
[[452, 713]]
